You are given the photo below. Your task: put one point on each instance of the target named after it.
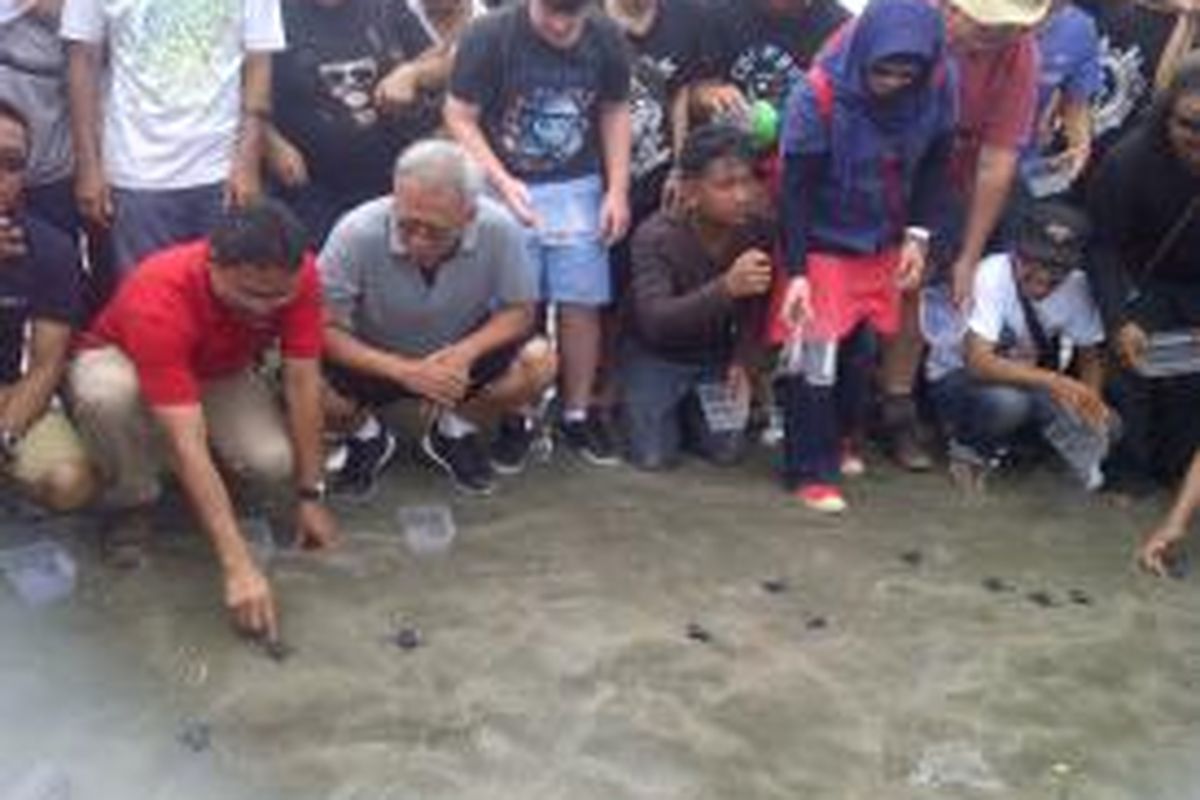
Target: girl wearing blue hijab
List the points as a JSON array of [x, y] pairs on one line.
[[865, 142]]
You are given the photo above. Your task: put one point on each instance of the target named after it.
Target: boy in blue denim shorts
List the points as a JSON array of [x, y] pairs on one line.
[[539, 97]]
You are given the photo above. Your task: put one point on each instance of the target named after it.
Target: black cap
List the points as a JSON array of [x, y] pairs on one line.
[[1052, 234]]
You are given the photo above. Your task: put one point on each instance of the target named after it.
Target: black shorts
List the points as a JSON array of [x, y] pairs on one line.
[[375, 392]]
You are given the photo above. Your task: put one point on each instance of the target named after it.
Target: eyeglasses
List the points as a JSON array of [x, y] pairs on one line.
[[435, 234]]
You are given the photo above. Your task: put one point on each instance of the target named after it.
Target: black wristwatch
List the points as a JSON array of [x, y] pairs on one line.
[[9, 441], [313, 493]]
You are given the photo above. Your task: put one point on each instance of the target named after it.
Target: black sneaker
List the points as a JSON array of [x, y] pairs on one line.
[[510, 448], [463, 459], [590, 440], [365, 460]]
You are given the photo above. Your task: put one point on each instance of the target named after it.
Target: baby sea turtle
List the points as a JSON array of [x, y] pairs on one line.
[[1042, 599], [775, 586], [1079, 597], [195, 735], [913, 558], [698, 633], [994, 584], [1177, 564], [407, 639], [277, 650], [817, 624]]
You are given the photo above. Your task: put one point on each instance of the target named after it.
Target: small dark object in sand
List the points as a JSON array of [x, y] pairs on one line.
[[698, 633], [1079, 597], [277, 650], [994, 584], [407, 639], [1177, 564], [195, 735], [817, 624], [775, 586], [1042, 599], [912, 557]]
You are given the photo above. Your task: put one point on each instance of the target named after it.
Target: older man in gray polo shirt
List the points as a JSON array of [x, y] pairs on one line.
[[430, 295]]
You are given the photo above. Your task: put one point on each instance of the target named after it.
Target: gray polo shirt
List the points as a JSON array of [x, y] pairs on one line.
[[386, 301]]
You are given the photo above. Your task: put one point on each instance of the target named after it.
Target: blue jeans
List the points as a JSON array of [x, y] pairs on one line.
[[663, 413], [985, 417], [568, 253], [148, 221]]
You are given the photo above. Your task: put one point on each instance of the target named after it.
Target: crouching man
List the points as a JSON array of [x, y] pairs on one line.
[[166, 373], [1025, 305], [429, 294], [700, 279], [40, 295]]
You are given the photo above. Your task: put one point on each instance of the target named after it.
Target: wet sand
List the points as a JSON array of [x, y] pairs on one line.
[[555, 659]]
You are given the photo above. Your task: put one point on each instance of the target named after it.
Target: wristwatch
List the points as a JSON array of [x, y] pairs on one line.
[[314, 493], [9, 441], [918, 234]]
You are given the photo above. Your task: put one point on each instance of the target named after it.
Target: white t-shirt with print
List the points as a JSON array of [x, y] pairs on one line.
[[173, 87], [996, 316]]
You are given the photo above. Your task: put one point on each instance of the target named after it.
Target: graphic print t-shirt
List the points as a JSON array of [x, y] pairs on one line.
[[324, 87], [765, 55], [1132, 39], [173, 83], [668, 57], [541, 104]]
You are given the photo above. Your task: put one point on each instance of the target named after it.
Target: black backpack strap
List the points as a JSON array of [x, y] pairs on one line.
[[1047, 347]]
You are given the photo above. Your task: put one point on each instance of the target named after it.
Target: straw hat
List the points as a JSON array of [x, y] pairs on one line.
[[1004, 12]]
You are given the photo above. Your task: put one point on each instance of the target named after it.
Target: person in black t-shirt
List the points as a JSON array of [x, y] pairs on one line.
[[40, 292], [1141, 43], [667, 41], [540, 98], [667, 38], [1145, 202], [762, 47], [350, 92]]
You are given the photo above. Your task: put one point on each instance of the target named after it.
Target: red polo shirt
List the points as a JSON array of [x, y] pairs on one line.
[[997, 104], [169, 323]]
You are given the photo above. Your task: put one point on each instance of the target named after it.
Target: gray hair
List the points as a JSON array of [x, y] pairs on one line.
[[441, 162]]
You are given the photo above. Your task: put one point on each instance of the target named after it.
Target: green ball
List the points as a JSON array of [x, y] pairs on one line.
[[764, 124]]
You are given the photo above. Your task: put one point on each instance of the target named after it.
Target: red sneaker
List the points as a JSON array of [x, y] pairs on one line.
[[824, 498]]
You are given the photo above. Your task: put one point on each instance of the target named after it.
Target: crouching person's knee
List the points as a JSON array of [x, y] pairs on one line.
[[266, 462], [538, 365], [66, 486], [51, 466]]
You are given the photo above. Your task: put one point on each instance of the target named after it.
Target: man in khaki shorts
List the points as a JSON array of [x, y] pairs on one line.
[[40, 295], [166, 374]]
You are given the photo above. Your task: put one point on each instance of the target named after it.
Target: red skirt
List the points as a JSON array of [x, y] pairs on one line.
[[846, 291]]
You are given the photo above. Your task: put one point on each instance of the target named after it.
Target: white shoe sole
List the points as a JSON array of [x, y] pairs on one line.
[[432, 454]]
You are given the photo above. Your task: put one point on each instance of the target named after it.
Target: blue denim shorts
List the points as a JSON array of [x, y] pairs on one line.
[[567, 248]]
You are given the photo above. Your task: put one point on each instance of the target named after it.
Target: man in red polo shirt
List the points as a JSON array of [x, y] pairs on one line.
[[995, 56], [170, 361]]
